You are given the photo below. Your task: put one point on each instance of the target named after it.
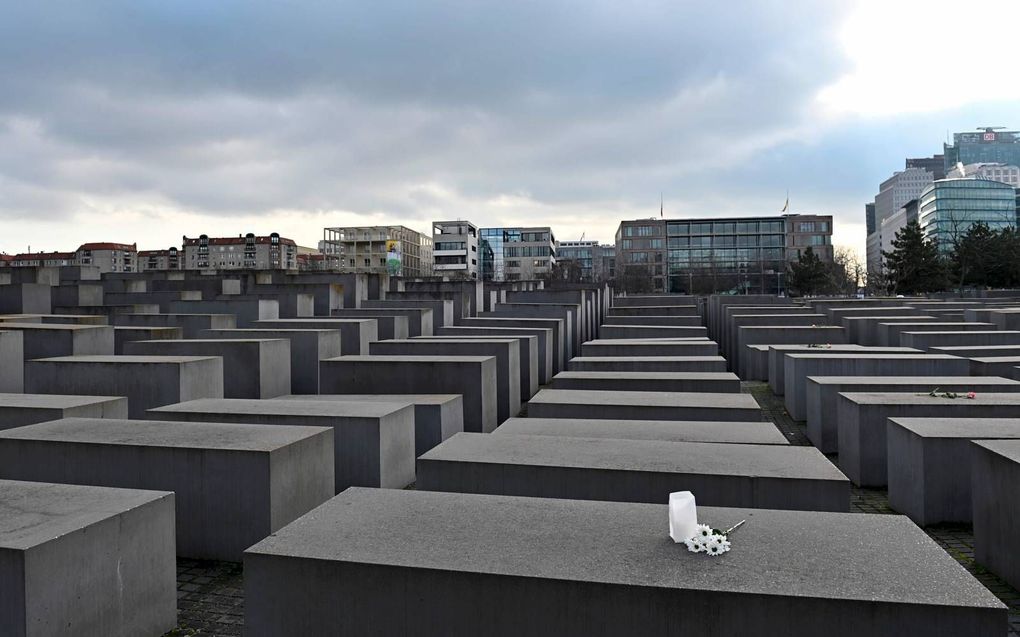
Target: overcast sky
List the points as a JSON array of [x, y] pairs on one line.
[[147, 120]]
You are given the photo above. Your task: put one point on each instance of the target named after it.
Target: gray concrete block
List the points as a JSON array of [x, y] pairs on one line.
[[977, 351], [544, 336], [246, 310], [924, 341], [647, 364], [125, 334], [527, 347], [861, 422], [641, 405], [473, 377], [355, 334], [18, 410], [675, 321], [559, 349], [779, 335], [759, 476], [391, 324], [642, 348], [1004, 366], [995, 472], [442, 310], [373, 441], [506, 352], [709, 382], [190, 324], [436, 416], [234, 484], [929, 464], [889, 333], [777, 358], [25, 298], [821, 396], [419, 319], [80, 560], [414, 562], [146, 381], [45, 340], [12, 361], [800, 366], [307, 347], [864, 330], [752, 432], [252, 368], [650, 331]]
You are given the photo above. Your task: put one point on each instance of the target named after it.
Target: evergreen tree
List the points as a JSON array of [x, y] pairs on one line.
[[975, 259], [807, 275], [914, 265]]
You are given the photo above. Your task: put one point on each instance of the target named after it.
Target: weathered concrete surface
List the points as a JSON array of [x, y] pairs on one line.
[[307, 348], [649, 331], [393, 323], [651, 347], [710, 382], [995, 472], [800, 366], [748, 364], [190, 324], [864, 330], [146, 381], [377, 562], [1004, 366], [924, 341], [889, 333], [777, 358], [252, 368], [821, 396], [355, 334], [752, 432], [18, 410], [571, 403], [559, 348], [861, 421], [124, 334], [78, 560], [647, 364], [373, 441], [12, 361], [234, 484], [45, 340], [930, 464], [436, 416], [473, 377], [527, 350], [543, 335]]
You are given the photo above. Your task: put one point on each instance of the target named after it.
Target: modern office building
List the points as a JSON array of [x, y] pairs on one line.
[[949, 207], [995, 172], [609, 260], [934, 164], [987, 146], [515, 254], [109, 257], [869, 217], [393, 250], [247, 252], [160, 260], [873, 247], [896, 222], [587, 255], [455, 249], [741, 255]]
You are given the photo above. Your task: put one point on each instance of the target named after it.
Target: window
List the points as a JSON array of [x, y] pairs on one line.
[[656, 244]]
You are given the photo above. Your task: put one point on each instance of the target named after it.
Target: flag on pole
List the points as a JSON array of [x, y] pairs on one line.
[[660, 205], [786, 206]]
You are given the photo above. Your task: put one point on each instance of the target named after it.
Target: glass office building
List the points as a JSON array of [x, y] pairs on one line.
[[950, 206], [989, 146], [516, 254]]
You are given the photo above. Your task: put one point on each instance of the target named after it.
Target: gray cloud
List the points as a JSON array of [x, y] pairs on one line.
[[402, 108]]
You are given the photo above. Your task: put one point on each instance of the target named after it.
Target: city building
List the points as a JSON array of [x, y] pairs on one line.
[[995, 172], [949, 207], [108, 257], [869, 217], [393, 250], [587, 255], [160, 260], [873, 248], [742, 255], [513, 254], [989, 145], [934, 164], [41, 259], [247, 252], [609, 260], [896, 222], [894, 193], [455, 248]]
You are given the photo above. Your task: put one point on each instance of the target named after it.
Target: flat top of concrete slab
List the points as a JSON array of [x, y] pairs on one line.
[[417, 399], [652, 375], [163, 433], [144, 328], [232, 342], [452, 340], [922, 398], [33, 513], [837, 347], [932, 381], [697, 340], [676, 431], [319, 319], [1009, 449], [788, 553], [789, 327], [996, 359], [318, 408], [656, 456], [973, 348], [938, 324], [872, 355], [966, 428], [172, 314], [378, 358], [645, 398], [968, 333], [52, 401], [268, 330], [127, 359], [646, 358], [51, 326], [692, 328]]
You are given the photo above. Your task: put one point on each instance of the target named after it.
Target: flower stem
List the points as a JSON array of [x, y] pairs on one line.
[[734, 527]]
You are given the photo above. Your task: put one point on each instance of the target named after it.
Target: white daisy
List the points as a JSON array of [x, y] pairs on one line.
[[714, 549], [694, 544], [704, 531]]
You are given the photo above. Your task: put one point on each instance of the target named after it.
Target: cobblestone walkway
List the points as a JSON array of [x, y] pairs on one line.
[[210, 598], [957, 540]]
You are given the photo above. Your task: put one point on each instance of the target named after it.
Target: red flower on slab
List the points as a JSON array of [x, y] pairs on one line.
[[971, 395]]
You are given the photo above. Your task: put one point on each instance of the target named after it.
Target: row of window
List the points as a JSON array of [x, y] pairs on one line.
[[725, 227]]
